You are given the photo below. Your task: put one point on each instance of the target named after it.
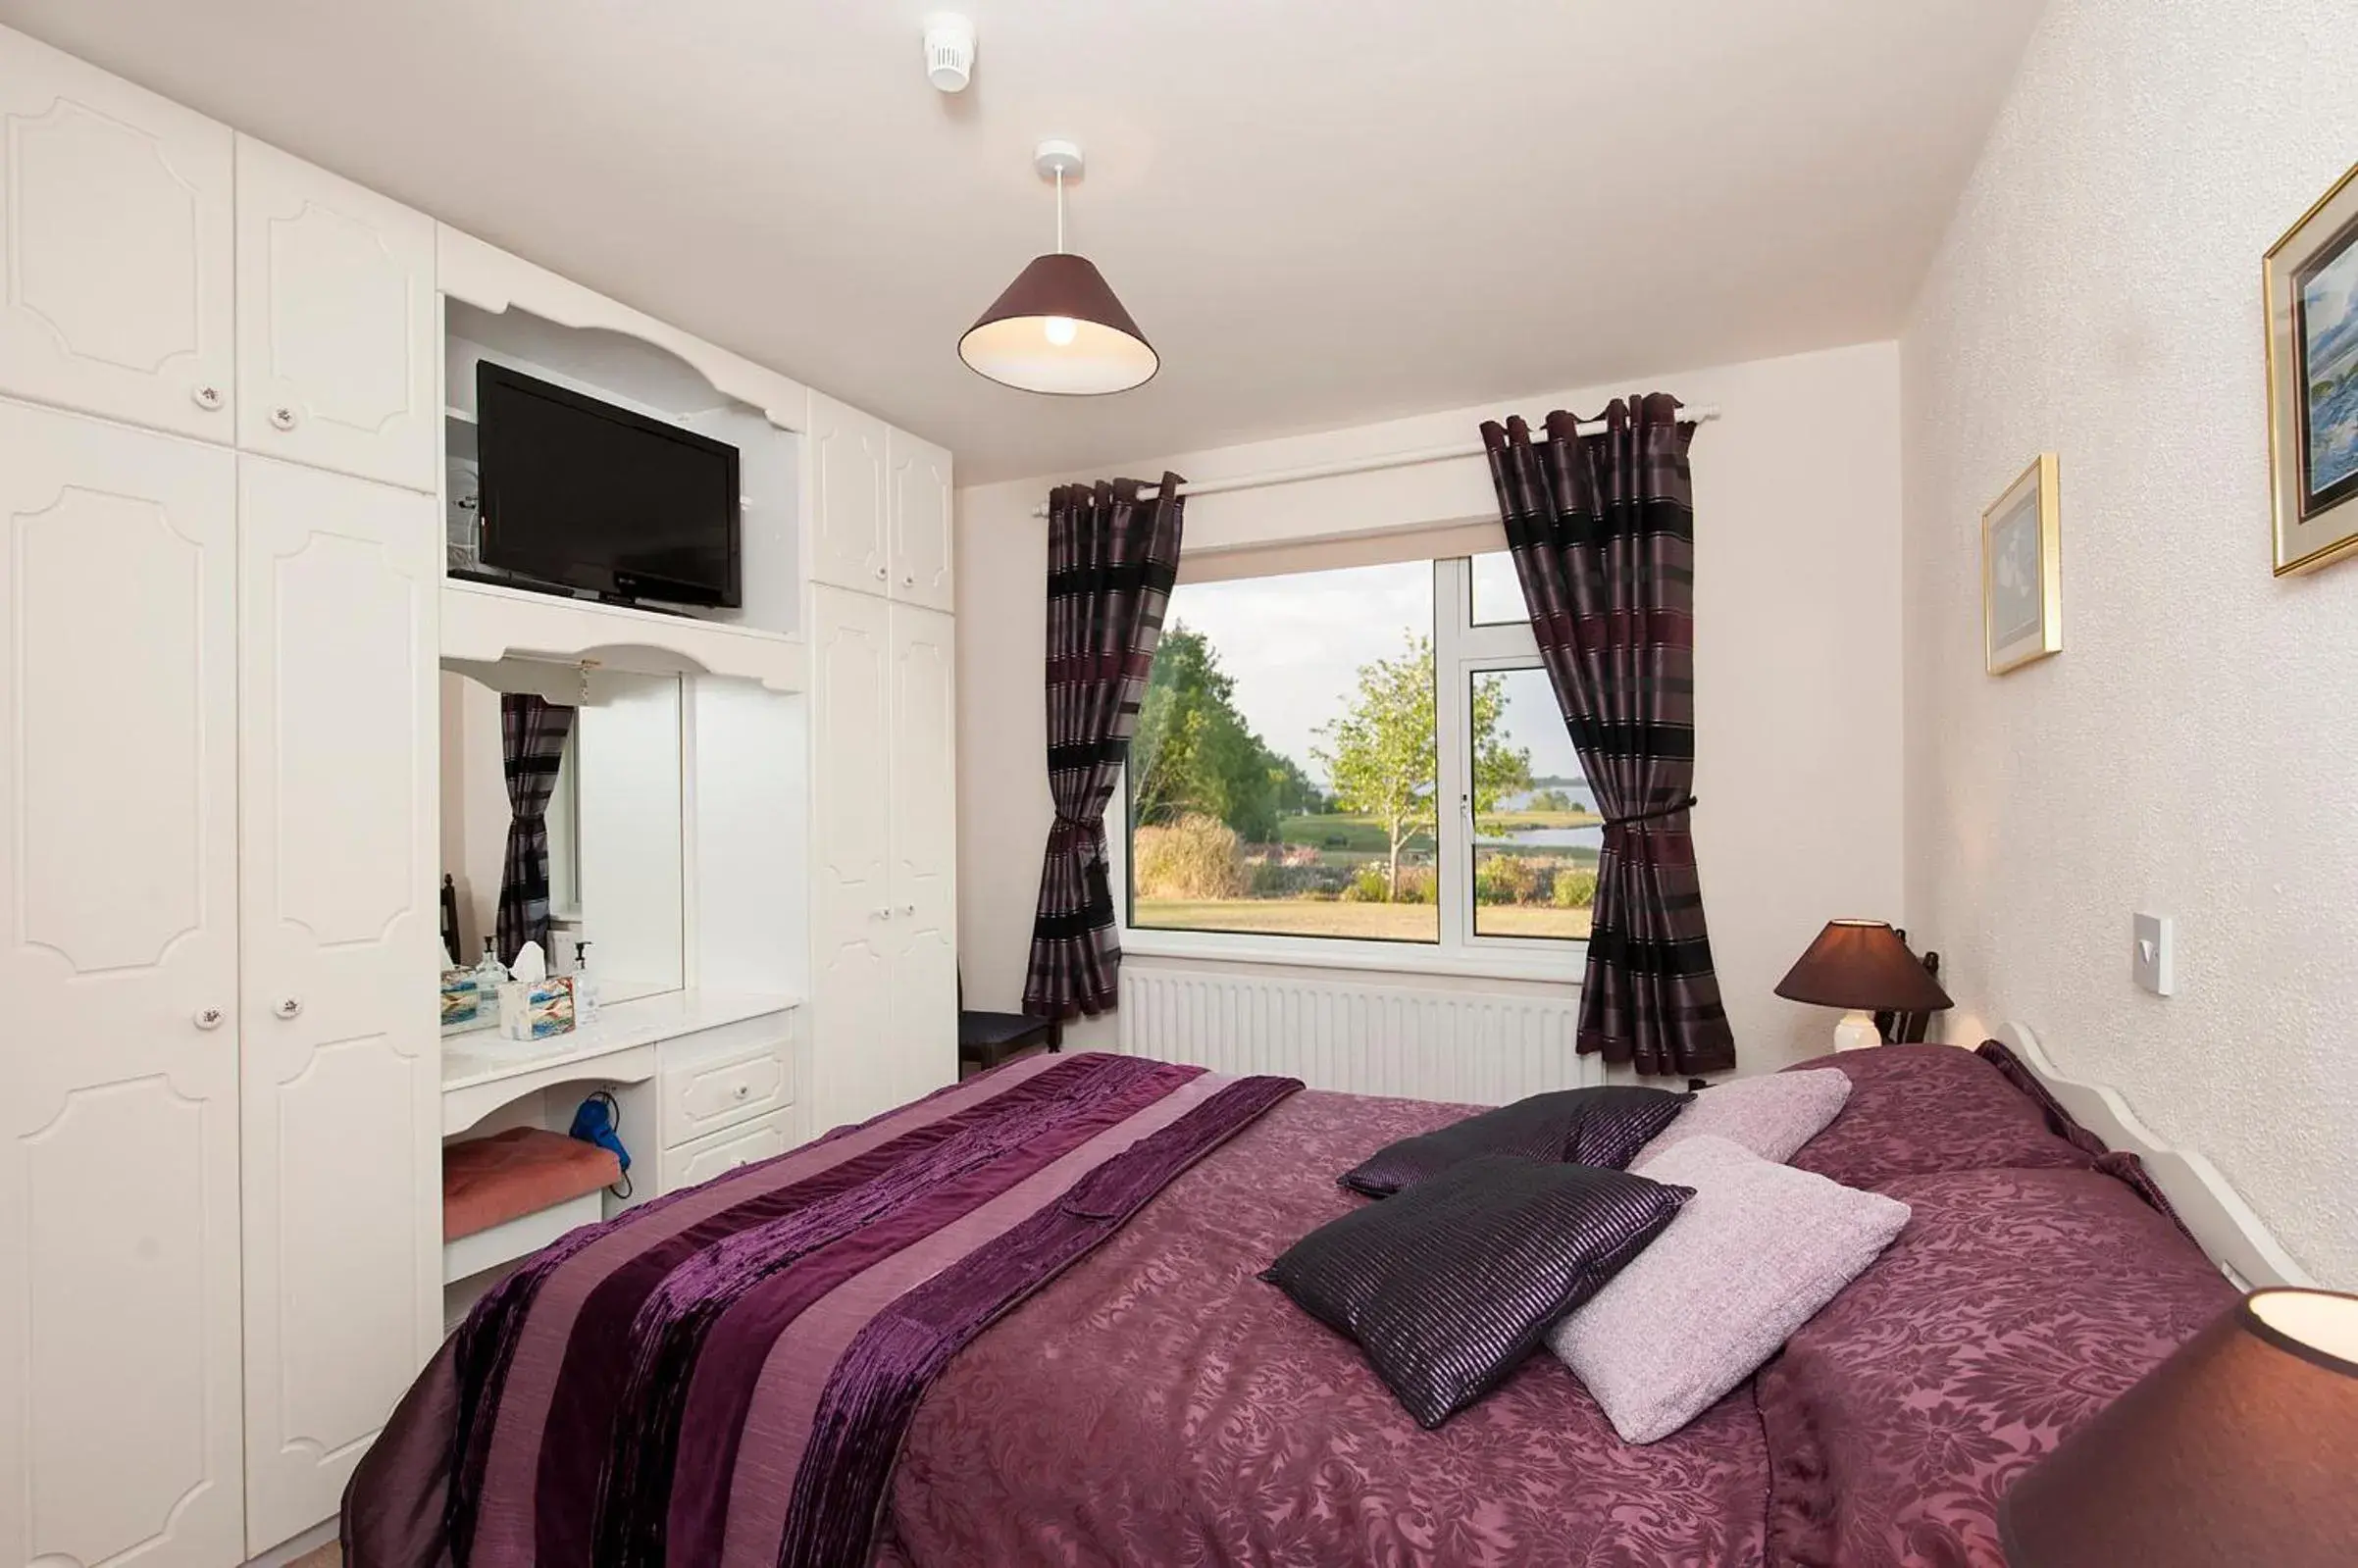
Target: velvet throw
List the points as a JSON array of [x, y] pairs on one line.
[[1111, 560], [1602, 528], [531, 737]]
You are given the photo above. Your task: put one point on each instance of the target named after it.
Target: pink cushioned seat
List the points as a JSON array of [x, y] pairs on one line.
[[490, 1181]]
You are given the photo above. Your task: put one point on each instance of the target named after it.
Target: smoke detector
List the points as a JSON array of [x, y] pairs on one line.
[[948, 51]]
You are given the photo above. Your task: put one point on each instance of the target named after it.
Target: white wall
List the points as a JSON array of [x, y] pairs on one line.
[[2194, 749], [1797, 493]]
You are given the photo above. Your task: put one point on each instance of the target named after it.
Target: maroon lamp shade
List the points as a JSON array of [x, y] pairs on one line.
[[1862, 965], [2236, 1451], [1059, 328]]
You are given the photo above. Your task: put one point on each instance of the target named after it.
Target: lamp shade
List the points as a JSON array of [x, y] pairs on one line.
[[1862, 964], [1059, 328], [2235, 1450]]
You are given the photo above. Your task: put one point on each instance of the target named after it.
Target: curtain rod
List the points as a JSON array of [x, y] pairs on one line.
[[1369, 465]]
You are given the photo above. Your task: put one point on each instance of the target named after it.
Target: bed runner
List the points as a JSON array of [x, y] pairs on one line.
[[724, 1376]]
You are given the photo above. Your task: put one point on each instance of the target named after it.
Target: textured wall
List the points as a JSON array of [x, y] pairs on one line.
[[1797, 682], [2195, 750]]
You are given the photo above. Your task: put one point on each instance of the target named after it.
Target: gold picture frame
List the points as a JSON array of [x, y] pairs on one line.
[[2022, 569], [2310, 280]]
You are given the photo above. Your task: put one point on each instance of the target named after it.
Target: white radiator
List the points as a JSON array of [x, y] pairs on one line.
[[1371, 1036]]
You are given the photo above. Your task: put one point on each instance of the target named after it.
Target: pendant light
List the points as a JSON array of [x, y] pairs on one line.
[[1058, 328]]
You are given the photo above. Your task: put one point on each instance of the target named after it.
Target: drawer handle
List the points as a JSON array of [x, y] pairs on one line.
[[207, 399], [283, 417], [742, 1090]]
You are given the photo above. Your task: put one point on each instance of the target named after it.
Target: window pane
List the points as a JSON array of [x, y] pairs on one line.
[[1537, 831], [1498, 593], [1283, 775]]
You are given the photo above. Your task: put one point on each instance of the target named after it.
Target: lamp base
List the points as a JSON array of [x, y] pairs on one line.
[[1857, 1032]]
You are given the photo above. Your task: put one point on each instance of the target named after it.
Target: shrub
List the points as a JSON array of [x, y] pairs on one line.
[[1415, 884], [1195, 857], [1506, 880], [1367, 885], [1573, 889]]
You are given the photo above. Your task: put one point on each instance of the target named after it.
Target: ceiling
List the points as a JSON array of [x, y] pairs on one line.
[[1321, 213]]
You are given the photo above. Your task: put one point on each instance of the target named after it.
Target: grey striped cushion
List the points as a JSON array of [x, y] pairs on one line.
[[1601, 1126], [1449, 1285]]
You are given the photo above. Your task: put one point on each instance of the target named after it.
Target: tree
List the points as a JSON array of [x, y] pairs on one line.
[[1382, 757], [1499, 769], [1194, 754]]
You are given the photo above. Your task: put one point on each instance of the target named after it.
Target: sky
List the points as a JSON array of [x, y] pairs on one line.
[[1294, 645]]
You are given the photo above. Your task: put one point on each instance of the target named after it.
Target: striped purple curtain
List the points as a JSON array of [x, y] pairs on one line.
[[1603, 531], [1111, 558], [531, 736]]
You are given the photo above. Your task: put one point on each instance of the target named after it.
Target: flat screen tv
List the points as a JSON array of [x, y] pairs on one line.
[[580, 494]]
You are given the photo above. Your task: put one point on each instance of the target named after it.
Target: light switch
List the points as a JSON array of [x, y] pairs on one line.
[[2150, 960]]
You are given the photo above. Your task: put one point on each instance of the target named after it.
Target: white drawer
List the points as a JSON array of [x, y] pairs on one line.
[[724, 1151], [705, 1092]]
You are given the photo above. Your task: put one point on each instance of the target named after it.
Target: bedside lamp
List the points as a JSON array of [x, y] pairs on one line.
[[1860, 966], [2235, 1450]]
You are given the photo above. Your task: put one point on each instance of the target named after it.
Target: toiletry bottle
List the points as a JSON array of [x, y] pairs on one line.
[[585, 989], [490, 973]]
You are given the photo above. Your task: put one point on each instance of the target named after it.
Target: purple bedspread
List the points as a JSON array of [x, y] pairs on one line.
[[724, 1376], [1161, 1405]]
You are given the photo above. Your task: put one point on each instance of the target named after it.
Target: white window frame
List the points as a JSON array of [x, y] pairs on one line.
[[1461, 651]]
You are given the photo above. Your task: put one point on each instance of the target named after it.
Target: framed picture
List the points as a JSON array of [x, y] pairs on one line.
[[2311, 279], [2022, 570]]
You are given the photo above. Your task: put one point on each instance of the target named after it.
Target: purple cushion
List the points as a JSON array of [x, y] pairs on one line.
[[1918, 1110], [2015, 1305], [1448, 1286], [1600, 1127]]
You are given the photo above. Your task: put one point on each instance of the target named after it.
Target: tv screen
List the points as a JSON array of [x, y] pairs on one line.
[[582, 494]]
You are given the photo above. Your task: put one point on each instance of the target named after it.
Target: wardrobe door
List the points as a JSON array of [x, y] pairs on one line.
[[921, 521], [850, 489], [339, 328], [924, 857], [851, 960], [114, 248], [340, 946], [118, 1408]]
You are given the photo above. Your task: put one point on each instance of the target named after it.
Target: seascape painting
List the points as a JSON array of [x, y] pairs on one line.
[[2329, 371], [2310, 280]]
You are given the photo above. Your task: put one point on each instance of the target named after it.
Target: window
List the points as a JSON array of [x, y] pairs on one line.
[[1348, 756]]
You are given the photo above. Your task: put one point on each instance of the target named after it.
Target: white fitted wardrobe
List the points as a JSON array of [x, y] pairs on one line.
[[223, 445], [220, 1213], [884, 846]]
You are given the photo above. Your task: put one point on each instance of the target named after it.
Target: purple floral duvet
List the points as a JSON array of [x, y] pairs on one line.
[[1161, 1405]]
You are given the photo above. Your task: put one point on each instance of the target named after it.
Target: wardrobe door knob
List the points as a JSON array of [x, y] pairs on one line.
[[908, 909], [292, 1007], [209, 1018], [207, 397], [284, 417]]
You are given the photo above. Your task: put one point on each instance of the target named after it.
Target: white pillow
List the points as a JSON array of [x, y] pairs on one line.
[[1772, 1116], [1752, 1256]]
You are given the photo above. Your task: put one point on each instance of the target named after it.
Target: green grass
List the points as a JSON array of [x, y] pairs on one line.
[[1308, 917]]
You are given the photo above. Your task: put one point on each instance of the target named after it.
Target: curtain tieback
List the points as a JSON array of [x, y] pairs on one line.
[[1656, 813], [1078, 832]]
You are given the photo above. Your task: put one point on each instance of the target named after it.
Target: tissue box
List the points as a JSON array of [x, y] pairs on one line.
[[535, 1009], [463, 1002]]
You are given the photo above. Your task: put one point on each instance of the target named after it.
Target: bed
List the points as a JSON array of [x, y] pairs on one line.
[[1089, 1370]]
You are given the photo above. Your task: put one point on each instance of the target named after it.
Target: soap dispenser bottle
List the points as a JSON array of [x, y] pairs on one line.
[[490, 973], [585, 989]]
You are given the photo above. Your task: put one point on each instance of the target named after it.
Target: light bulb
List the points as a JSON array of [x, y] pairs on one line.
[[1062, 330]]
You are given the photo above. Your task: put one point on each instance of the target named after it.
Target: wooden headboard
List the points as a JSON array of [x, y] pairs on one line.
[[2235, 1237]]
